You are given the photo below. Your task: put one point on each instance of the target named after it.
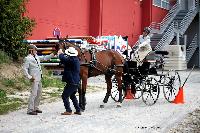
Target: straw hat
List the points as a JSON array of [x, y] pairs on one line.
[[71, 51], [32, 46]]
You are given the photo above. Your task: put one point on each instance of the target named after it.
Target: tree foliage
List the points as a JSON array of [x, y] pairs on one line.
[[14, 27]]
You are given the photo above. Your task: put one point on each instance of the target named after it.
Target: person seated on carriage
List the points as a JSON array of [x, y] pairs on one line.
[[136, 64], [144, 49], [140, 51]]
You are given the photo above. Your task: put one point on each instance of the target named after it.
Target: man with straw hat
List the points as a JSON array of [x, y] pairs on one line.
[[72, 78]]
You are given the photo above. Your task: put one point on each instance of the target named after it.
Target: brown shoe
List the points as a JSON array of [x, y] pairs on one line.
[[77, 113], [32, 113], [38, 111], [66, 113]]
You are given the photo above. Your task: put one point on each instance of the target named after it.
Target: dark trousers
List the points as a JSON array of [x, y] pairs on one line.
[[69, 92]]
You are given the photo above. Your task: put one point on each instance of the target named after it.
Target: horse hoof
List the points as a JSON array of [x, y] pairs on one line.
[[101, 106], [119, 105]]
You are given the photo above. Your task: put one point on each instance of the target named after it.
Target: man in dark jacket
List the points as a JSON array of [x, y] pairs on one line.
[[71, 77]]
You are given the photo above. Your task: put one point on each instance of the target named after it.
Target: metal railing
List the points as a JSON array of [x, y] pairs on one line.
[[160, 27], [180, 28], [188, 18], [191, 48], [167, 37]]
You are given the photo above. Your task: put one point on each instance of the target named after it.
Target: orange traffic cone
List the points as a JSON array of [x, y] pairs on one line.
[[180, 97], [129, 95]]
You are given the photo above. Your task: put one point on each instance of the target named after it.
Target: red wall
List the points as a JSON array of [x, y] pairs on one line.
[[122, 17], [158, 14], [93, 17], [146, 13], [71, 16]]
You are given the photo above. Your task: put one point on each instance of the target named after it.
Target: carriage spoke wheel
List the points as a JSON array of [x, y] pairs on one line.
[[115, 91], [172, 83], [150, 91], [138, 90]]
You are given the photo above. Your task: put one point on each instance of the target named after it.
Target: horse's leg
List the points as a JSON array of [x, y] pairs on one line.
[[82, 90], [109, 87], [118, 76], [80, 97]]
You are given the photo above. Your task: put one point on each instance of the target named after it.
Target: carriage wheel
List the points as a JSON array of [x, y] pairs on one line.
[[150, 91], [172, 83], [115, 92], [138, 90]]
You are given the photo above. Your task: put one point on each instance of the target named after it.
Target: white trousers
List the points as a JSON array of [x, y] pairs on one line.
[[34, 99]]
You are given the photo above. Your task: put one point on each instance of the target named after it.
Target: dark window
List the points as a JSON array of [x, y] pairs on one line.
[[161, 3]]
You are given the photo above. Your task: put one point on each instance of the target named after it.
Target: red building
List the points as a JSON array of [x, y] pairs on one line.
[[95, 17]]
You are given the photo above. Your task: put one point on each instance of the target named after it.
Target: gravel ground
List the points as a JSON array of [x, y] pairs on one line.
[[133, 117], [190, 124]]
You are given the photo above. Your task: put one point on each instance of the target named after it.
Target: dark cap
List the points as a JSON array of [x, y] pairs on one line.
[[147, 30]]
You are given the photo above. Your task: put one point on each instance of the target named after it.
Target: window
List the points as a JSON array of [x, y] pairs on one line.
[[161, 3]]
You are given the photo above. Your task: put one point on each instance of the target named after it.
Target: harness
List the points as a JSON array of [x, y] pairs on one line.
[[93, 63]]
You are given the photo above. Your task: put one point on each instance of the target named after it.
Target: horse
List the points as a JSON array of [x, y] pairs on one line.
[[106, 62]]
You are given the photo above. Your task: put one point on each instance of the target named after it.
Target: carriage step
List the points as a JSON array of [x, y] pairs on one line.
[[157, 74], [160, 75]]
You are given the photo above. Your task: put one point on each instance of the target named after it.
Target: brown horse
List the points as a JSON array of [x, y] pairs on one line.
[[106, 62]]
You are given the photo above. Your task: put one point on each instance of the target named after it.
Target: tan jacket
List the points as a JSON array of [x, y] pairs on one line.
[[32, 68]]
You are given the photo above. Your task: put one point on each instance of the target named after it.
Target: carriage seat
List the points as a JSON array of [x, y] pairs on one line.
[[152, 57]]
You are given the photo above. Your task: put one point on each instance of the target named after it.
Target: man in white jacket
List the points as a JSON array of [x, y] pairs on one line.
[[32, 71]]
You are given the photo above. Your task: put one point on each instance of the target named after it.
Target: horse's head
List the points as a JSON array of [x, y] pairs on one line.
[[65, 45]]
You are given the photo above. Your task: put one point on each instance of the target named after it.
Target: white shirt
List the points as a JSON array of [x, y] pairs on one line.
[[143, 39]]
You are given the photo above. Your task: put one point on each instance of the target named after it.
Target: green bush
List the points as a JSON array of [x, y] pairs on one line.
[[14, 27]]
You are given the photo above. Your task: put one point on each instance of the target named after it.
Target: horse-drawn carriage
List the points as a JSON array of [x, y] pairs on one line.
[[147, 79], [144, 79]]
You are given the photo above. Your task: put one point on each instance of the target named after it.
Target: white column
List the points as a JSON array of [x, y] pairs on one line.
[[177, 39], [199, 36]]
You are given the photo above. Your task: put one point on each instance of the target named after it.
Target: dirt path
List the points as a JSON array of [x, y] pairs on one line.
[[133, 117]]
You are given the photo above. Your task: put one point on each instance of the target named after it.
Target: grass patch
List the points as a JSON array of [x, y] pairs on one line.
[[17, 84], [49, 81], [53, 94], [4, 58], [7, 104], [3, 97], [12, 81], [8, 82]]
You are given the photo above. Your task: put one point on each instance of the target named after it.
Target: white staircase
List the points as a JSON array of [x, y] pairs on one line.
[[175, 23], [178, 57]]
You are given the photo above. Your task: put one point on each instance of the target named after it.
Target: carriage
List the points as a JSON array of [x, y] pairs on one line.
[[144, 79], [148, 80]]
